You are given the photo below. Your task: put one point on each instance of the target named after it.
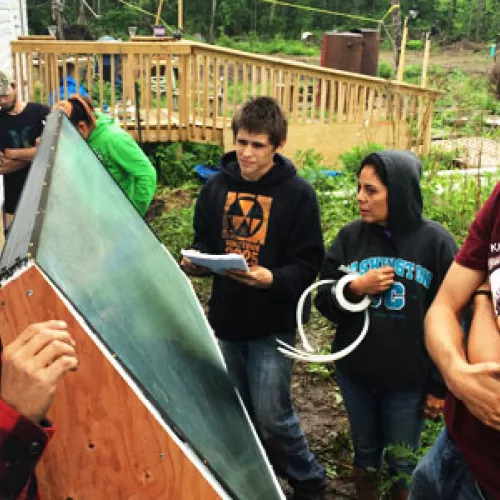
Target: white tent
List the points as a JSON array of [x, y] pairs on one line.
[[13, 22]]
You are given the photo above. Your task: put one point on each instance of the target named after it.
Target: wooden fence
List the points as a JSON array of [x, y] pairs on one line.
[[187, 91]]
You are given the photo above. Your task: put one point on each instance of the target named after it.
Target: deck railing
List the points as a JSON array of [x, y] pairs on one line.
[[180, 90]]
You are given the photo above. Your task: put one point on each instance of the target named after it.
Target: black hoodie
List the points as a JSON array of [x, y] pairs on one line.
[[274, 222], [393, 354]]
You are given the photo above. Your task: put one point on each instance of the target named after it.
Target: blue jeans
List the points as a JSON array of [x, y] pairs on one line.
[[379, 419], [443, 475], [262, 376]]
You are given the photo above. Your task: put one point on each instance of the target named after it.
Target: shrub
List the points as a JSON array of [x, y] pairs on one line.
[[174, 228], [252, 43], [385, 70], [415, 45], [412, 72], [175, 161], [351, 160]]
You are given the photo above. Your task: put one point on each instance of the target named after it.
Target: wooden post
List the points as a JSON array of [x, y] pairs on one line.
[[180, 24], [396, 27], [425, 64], [158, 12], [402, 55]]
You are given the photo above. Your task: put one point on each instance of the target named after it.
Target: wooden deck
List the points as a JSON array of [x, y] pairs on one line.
[[187, 91]]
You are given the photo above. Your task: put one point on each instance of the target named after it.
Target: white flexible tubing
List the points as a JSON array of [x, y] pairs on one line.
[[307, 355], [300, 309], [343, 302], [327, 358]]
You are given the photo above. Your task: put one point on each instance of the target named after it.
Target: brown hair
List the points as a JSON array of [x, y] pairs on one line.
[[262, 115], [78, 109]]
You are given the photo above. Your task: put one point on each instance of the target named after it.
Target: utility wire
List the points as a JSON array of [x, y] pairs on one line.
[[323, 11], [146, 12]]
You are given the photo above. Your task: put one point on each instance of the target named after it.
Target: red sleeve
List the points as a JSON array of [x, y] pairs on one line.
[[474, 252], [21, 445]]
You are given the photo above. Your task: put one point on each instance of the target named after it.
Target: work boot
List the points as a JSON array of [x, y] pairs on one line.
[[399, 493], [312, 489], [309, 495], [367, 484]]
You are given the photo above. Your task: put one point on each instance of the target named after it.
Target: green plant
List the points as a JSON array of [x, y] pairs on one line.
[[95, 92], [255, 44], [175, 161], [415, 45], [385, 70], [38, 91], [322, 370], [351, 160], [175, 229], [413, 72]]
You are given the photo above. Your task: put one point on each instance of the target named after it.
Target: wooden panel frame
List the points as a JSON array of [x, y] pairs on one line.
[[107, 443]]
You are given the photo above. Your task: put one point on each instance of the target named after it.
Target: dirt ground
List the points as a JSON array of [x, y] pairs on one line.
[[469, 57]]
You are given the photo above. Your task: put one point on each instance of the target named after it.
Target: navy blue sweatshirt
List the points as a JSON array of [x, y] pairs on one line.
[[274, 222], [393, 354]]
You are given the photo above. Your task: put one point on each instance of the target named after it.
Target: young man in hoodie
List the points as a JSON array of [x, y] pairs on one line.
[[31, 367], [258, 206], [118, 152], [388, 382], [464, 462]]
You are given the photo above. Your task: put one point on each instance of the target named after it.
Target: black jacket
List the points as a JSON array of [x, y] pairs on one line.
[[393, 354], [274, 222]]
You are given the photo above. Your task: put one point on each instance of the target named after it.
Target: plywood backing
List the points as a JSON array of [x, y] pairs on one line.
[[107, 443]]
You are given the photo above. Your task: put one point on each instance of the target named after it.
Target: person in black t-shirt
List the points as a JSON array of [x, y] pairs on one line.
[[20, 125]]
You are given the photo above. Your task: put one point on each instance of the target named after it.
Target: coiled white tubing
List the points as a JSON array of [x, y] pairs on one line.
[[307, 354]]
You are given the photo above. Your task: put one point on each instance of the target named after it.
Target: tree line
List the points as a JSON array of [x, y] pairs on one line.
[[477, 20]]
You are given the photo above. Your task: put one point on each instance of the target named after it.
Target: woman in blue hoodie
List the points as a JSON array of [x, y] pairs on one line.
[[388, 383]]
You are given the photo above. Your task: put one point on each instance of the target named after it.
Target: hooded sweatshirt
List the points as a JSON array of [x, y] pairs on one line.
[[392, 357], [274, 222], [125, 161]]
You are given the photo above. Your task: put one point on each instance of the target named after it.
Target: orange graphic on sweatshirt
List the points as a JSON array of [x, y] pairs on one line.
[[245, 223]]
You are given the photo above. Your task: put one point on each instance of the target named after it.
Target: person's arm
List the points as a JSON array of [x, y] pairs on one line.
[[22, 443], [31, 367], [20, 154], [435, 387], [483, 344], [478, 386], [10, 164], [127, 153]]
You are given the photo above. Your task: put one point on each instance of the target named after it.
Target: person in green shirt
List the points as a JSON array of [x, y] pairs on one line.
[[117, 151]]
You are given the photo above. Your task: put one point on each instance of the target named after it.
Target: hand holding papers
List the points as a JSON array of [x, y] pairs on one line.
[[216, 263]]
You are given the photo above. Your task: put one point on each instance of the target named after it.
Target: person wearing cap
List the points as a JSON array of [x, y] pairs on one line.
[[21, 124], [31, 367]]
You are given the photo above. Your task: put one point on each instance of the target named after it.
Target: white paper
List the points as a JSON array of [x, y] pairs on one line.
[[217, 263]]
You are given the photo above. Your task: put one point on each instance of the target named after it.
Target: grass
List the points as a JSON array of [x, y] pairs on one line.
[[277, 45]]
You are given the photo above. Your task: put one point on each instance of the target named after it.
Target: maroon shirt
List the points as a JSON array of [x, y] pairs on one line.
[[479, 444]]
